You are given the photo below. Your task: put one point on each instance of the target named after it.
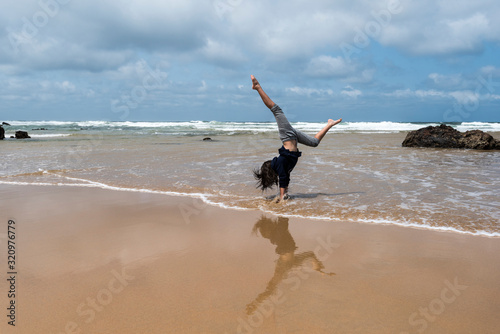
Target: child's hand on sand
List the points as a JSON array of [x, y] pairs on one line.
[[283, 199]]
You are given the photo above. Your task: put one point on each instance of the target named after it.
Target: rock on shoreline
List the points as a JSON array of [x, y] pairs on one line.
[[22, 135], [445, 136]]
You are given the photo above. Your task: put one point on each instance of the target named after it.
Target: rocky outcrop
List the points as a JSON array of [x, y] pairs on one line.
[[2, 133], [479, 140], [445, 136], [22, 135]]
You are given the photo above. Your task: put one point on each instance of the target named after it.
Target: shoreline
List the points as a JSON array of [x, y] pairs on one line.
[[204, 198], [96, 260]]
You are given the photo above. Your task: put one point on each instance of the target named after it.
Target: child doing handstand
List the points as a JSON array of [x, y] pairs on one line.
[[277, 171]]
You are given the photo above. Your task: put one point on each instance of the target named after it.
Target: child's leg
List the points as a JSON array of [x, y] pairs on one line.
[[256, 85], [287, 132], [285, 129], [314, 141], [305, 139], [327, 127]]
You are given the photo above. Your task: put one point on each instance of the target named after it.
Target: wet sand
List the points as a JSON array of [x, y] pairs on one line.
[[356, 177], [102, 261]]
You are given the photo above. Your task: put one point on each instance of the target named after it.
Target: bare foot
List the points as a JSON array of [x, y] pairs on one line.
[[255, 83], [331, 122]]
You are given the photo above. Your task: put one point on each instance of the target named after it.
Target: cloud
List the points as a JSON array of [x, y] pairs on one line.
[[281, 30], [66, 86], [463, 97], [485, 79], [222, 54], [421, 93], [445, 28], [492, 97], [95, 51], [351, 92], [155, 25], [347, 91], [446, 80], [490, 71], [140, 69], [463, 35], [99, 35], [329, 67], [337, 67], [308, 91], [203, 87], [57, 86]]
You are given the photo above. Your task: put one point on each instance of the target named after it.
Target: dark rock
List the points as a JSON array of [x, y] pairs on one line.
[[433, 136], [445, 136], [5, 123], [22, 135], [479, 140], [2, 133], [39, 129], [207, 138]]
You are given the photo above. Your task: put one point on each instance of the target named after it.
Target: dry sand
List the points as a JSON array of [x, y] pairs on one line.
[[101, 261]]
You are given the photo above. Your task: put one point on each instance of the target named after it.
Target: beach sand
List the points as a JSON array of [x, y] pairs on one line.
[[100, 261]]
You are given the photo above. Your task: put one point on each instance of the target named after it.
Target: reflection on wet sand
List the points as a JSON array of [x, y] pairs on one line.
[[276, 230]]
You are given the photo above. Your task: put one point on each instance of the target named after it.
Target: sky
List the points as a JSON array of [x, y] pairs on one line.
[[164, 60]]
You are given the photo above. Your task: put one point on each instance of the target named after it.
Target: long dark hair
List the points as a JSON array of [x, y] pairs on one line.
[[266, 177]]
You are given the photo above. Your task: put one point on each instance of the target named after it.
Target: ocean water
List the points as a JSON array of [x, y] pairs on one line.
[[359, 172]]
